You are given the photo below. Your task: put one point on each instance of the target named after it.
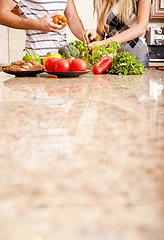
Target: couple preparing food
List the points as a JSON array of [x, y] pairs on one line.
[[123, 21]]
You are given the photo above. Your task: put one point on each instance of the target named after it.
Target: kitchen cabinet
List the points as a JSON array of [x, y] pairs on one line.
[[157, 9]]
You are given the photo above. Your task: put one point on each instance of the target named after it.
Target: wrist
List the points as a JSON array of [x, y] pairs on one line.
[[30, 24], [107, 41], [81, 37], [35, 24]]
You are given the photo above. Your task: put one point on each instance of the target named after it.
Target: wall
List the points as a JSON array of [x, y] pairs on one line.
[[4, 45], [13, 40]]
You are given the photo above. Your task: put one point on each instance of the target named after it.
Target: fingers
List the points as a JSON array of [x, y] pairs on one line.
[[93, 44], [57, 28], [51, 15], [92, 36], [89, 35], [90, 46], [86, 36], [47, 25]]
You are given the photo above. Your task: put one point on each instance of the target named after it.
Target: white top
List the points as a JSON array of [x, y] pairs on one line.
[[40, 42]]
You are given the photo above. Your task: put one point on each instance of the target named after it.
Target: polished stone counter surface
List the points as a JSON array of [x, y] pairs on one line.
[[82, 158]]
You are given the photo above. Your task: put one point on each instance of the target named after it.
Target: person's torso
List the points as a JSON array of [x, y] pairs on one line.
[[136, 46], [40, 42]]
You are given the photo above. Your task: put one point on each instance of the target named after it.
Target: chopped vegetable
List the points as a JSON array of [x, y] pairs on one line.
[[102, 65], [126, 64], [68, 51], [31, 57]]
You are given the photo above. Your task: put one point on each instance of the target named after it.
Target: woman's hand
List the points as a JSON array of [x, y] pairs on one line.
[[96, 43], [89, 35], [45, 24]]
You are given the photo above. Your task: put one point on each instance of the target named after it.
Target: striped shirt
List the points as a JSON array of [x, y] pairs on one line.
[[40, 42]]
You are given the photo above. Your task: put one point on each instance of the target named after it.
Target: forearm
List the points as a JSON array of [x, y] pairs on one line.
[[74, 21], [127, 35], [76, 27], [9, 19]]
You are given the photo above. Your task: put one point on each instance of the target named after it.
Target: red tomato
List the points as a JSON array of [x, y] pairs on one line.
[[78, 64], [62, 65], [49, 64], [79, 90], [70, 60]]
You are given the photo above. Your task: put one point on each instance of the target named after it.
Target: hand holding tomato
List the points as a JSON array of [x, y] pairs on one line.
[[60, 20]]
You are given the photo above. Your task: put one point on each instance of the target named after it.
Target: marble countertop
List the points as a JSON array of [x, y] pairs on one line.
[[82, 158]]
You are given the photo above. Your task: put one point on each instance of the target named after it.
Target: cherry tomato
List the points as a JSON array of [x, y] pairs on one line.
[[78, 64], [49, 64], [62, 65]]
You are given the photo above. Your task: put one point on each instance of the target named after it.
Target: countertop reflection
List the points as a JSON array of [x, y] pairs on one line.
[[82, 157]]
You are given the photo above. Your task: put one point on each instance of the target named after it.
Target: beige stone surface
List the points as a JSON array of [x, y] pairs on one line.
[[82, 158]]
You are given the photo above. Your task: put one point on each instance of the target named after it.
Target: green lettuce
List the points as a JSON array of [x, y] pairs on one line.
[[125, 64]]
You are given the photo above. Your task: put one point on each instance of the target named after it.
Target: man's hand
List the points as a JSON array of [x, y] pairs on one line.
[[45, 24]]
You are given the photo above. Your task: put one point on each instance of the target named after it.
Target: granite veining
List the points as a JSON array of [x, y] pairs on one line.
[[82, 158]]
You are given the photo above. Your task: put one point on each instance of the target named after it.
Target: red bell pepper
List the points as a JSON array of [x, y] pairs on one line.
[[102, 65], [102, 83]]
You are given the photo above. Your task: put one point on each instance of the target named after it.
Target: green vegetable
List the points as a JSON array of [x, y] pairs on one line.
[[68, 51], [125, 64], [97, 53], [83, 49], [103, 50], [31, 57]]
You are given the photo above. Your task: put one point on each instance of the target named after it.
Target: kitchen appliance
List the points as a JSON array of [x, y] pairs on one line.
[[156, 44]]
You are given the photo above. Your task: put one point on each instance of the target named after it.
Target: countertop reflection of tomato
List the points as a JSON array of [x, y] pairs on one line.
[[79, 90], [78, 64], [57, 90], [62, 65]]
